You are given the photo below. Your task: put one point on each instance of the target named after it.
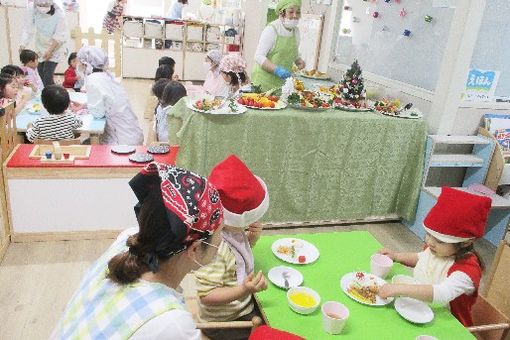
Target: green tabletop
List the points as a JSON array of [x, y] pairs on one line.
[[319, 166], [341, 253]]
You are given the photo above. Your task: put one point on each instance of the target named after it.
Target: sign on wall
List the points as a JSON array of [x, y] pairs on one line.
[[480, 85]]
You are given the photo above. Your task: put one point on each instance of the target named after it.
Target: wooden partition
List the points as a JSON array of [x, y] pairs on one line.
[[108, 42], [7, 143]]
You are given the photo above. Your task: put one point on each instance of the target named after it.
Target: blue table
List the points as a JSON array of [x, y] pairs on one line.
[[93, 126]]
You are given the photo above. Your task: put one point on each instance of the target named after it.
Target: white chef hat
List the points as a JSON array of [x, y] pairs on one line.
[[215, 56], [93, 57]]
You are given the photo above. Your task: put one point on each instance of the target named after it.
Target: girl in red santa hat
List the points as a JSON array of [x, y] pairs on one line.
[[448, 271], [225, 286]]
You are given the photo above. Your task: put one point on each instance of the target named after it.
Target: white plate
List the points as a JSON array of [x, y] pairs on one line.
[[123, 149], [348, 278], [413, 310], [279, 105], [301, 248], [223, 111], [294, 278], [35, 108], [412, 113]]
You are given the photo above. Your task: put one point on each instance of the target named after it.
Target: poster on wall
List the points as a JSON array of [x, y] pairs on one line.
[[480, 85]]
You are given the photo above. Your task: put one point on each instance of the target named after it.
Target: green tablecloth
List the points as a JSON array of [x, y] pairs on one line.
[[319, 166], [341, 253]]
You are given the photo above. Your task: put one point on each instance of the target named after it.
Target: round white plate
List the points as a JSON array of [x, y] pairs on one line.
[[123, 149], [413, 310], [279, 105], [294, 277], [225, 110], [348, 278], [324, 77], [301, 248], [35, 109]]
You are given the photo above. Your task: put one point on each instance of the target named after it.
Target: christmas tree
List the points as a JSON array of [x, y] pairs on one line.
[[352, 84]]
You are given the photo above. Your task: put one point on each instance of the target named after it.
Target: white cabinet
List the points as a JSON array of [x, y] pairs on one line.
[[143, 62]]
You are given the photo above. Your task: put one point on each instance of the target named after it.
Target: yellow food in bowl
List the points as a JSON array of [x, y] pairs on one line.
[[303, 299]]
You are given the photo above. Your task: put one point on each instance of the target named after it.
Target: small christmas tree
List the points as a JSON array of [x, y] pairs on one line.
[[352, 86]]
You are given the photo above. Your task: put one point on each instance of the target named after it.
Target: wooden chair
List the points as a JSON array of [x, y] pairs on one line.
[[7, 129], [491, 312], [192, 304], [74, 141]]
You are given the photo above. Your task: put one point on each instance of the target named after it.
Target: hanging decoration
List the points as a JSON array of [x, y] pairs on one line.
[[346, 31], [375, 14], [387, 1], [347, 8], [428, 18], [397, 1], [367, 11], [407, 33], [403, 12], [355, 19], [385, 28]]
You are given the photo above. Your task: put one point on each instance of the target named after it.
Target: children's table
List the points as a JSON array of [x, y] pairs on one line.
[[341, 253]]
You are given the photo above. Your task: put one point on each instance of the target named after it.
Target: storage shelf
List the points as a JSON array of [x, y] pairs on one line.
[[460, 140], [497, 201], [456, 161]]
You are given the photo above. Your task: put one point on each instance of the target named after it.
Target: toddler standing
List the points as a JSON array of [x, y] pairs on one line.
[[30, 60]]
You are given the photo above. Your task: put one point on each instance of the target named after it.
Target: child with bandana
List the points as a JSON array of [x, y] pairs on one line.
[[225, 286]]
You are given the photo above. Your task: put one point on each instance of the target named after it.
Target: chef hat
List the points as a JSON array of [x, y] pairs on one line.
[[244, 196], [43, 2], [215, 56], [233, 63], [284, 4], [458, 216], [93, 57]]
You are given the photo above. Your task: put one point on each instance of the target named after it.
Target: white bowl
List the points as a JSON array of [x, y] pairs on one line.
[[300, 309]]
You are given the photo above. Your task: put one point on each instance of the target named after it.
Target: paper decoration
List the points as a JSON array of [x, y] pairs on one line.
[[347, 8], [403, 12], [346, 31], [428, 18], [375, 14], [397, 1], [481, 85], [385, 28], [407, 33], [355, 19], [387, 1]]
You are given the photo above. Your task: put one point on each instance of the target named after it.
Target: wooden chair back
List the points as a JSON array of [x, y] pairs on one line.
[[111, 43], [74, 141], [496, 288], [489, 322], [7, 130]]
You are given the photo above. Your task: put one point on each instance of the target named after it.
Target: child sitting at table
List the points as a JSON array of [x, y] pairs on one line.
[[233, 70], [226, 285], [71, 79], [8, 89], [448, 270], [60, 123], [168, 93], [30, 60], [170, 62]]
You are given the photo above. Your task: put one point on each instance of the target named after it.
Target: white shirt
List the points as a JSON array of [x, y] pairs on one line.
[[431, 269], [268, 37], [46, 27], [175, 11], [161, 122], [107, 98]]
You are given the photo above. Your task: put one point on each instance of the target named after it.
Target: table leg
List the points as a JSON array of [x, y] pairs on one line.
[[94, 139]]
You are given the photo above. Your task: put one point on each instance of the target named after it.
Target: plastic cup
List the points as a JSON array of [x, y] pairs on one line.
[[426, 337], [334, 317], [380, 265], [66, 155]]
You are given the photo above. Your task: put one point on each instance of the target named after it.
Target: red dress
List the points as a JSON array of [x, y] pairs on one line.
[[70, 78]]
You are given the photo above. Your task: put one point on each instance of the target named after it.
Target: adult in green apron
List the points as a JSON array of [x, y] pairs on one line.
[[278, 47], [130, 291]]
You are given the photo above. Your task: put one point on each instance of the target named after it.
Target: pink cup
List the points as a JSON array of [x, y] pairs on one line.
[[334, 317], [380, 265]]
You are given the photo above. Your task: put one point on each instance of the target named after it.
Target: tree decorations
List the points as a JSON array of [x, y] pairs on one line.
[[352, 88], [406, 33], [403, 12], [428, 18], [375, 15]]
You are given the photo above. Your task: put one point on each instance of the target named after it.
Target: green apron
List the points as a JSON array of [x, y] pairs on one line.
[[283, 54]]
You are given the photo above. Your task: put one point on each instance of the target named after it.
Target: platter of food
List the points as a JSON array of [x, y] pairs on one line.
[[261, 102], [357, 106], [295, 251], [363, 288], [308, 100], [314, 74], [216, 106]]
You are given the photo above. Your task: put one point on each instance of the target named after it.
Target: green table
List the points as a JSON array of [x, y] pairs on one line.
[[341, 253], [319, 166]]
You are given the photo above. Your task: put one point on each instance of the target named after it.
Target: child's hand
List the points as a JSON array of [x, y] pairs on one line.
[[254, 231], [255, 283], [388, 252], [388, 290], [175, 77], [75, 106]]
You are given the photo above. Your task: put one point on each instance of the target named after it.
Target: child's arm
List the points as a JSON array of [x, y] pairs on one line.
[[420, 292], [223, 295], [407, 259], [254, 232], [33, 132]]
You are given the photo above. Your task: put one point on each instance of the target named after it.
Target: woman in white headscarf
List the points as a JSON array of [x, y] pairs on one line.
[[47, 22], [214, 83], [107, 98]]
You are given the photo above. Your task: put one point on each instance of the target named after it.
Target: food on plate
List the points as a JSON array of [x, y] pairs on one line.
[[296, 243], [258, 100], [207, 104], [36, 107], [358, 104], [287, 250], [299, 85], [388, 106], [315, 74], [308, 100], [364, 288], [302, 299], [302, 259]]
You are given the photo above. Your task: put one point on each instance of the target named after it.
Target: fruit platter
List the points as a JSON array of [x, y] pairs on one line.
[[261, 101], [314, 74], [355, 106], [393, 108], [216, 106], [308, 100]]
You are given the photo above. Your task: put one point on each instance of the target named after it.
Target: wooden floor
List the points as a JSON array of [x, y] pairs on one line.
[[37, 279]]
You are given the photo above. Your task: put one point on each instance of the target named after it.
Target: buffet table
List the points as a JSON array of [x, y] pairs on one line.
[[319, 166], [89, 198], [342, 253]]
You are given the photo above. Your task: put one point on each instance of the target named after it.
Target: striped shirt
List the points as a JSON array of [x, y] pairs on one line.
[[54, 127], [221, 273]]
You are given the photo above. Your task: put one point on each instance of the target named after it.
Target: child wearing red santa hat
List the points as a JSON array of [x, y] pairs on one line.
[[226, 285], [448, 270]]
